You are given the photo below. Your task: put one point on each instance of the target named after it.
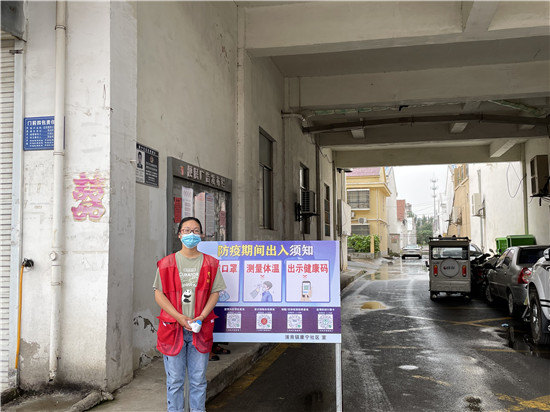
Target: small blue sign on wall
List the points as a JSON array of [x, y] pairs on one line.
[[38, 133]]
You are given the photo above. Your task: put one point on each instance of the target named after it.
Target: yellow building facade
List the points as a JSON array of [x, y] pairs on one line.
[[459, 219], [367, 191]]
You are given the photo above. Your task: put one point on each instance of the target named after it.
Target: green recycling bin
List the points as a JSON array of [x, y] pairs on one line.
[[502, 244], [519, 240]]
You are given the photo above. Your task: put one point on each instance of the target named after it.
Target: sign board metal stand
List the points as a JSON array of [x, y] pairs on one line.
[[279, 292], [338, 364]]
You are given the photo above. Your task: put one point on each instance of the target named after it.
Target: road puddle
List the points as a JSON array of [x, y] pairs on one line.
[[521, 341], [373, 306], [387, 272]]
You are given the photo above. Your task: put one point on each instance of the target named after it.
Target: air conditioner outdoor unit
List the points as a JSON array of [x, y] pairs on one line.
[[539, 175], [477, 207], [362, 220], [308, 202]]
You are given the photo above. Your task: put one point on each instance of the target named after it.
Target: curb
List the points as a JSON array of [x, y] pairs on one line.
[[235, 370], [345, 283]]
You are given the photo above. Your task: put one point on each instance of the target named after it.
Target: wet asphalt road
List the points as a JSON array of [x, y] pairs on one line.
[[402, 351]]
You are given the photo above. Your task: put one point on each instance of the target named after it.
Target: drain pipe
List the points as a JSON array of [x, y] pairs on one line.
[[58, 184]]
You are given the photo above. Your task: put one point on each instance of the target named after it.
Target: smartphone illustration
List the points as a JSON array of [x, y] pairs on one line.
[[306, 288]]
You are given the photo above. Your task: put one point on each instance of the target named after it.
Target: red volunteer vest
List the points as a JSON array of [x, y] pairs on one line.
[[170, 332]]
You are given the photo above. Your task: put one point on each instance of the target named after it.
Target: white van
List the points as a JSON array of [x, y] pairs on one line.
[[449, 266]]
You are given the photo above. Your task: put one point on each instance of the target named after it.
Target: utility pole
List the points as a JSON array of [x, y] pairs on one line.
[[435, 220]]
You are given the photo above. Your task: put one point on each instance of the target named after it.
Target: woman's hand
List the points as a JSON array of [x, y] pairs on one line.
[[201, 318], [184, 321]]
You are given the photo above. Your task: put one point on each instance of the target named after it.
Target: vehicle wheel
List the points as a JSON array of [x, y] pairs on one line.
[[403, 257], [488, 295], [419, 257], [536, 317], [482, 289], [513, 309]]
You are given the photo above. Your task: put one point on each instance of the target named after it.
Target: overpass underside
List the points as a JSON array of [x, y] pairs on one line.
[[408, 83]]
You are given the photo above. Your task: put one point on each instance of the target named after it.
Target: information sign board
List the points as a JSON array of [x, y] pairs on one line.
[[278, 291], [38, 133], [147, 165]]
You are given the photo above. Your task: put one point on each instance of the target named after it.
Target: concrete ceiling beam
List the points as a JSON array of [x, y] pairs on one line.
[[499, 147], [477, 16], [315, 27], [417, 134], [411, 121], [421, 156], [459, 84]]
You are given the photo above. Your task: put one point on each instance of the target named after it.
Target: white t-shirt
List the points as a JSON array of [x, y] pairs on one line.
[[189, 270]]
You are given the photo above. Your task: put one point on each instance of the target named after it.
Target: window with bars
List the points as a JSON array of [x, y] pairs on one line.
[[363, 230], [359, 199], [460, 174]]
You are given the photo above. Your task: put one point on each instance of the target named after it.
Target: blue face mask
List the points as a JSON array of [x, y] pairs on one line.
[[190, 240]]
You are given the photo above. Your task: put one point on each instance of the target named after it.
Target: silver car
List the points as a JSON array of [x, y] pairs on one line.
[[510, 276], [411, 251]]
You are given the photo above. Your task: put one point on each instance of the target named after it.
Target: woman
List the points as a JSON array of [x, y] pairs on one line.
[[187, 286]]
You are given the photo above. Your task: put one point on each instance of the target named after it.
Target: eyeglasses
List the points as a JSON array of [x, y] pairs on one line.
[[186, 231]]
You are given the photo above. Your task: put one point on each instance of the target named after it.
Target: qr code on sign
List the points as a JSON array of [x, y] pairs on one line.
[[264, 321], [294, 321], [325, 321], [233, 321]]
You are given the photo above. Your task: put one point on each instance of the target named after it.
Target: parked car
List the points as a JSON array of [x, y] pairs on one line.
[[475, 251], [411, 251], [508, 280], [477, 271], [539, 300]]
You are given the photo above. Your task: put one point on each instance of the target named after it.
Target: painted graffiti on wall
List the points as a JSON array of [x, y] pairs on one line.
[[88, 192]]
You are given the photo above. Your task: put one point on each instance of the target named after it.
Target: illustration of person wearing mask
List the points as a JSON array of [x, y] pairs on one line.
[[266, 294]]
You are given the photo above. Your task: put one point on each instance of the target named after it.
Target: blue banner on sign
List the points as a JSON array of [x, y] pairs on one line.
[[287, 291], [38, 133]]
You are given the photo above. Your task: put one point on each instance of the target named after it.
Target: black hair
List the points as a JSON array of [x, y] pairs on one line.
[[187, 219]]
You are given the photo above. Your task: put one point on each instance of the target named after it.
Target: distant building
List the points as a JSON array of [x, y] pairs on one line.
[[459, 221], [476, 194], [408, 227], [367, 191], [394, 225]]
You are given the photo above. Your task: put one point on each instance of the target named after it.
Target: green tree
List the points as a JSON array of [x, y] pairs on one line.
[[424, 229], [361, 243]]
